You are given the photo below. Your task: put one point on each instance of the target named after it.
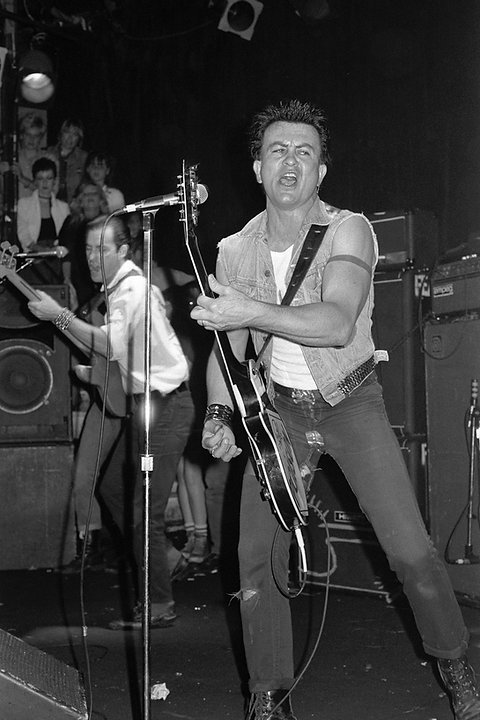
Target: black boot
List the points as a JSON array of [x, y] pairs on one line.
[[93, 556], [459, 679], [262, 704]]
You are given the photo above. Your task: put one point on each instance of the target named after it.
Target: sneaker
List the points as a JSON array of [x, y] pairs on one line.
[[200, 550], [181, 570], [162, 616], [94, 559]]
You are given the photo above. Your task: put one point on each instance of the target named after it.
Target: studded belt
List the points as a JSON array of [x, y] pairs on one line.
[[346, 386], [357, 376]]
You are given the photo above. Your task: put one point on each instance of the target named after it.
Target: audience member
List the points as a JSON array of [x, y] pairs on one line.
[[98, 168], [40, 218], [31, 133], [70, 158], [201, 478]]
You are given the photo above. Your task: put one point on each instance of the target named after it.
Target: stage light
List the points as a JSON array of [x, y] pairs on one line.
[[311, 11], [36, 77], [240, 17]]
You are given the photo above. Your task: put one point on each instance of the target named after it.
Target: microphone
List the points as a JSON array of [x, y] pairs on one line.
[[158, 201], [60, 251]]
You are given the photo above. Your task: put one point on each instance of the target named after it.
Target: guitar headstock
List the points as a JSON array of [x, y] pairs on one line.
[[8, 261], [189, 195]]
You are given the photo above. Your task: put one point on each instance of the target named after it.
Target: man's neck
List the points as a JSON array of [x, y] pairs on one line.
[[283, 226]]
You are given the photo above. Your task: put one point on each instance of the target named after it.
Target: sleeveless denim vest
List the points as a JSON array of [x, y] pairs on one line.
[[247, 263]]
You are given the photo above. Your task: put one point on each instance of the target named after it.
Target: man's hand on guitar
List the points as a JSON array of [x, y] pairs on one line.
[[46, 308], [229, 311], [219, 440]]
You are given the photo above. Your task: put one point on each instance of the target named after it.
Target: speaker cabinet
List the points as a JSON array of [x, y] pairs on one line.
[[452, 361], [406, 238], [36, 685], [402, 378], [36, 514], [341, 544], [35, 396], [408, 243]]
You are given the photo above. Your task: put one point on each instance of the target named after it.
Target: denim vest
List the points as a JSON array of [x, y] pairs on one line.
[[246, 259]]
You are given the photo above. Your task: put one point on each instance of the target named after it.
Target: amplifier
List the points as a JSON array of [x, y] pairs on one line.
[[455, 287]]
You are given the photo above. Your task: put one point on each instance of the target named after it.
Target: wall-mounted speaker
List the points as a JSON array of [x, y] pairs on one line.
[[35, 394]]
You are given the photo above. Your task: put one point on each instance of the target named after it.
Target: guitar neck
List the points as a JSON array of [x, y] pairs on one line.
[[29, 292], [23, 286], [228, 357]]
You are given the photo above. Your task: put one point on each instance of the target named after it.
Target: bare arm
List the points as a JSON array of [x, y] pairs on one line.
[[217, 437], [88, 338], [329, 323]]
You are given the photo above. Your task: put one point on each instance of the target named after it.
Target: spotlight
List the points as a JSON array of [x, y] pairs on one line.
[[36, 77], [312, 12], [240, 17]]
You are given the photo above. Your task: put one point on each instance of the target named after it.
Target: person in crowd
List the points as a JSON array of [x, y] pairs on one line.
[[40, 218], [32, 129], [121, 337], [89, 203], [98, 167], [70, 158], [320, 369], [202, 479], [190, 476]]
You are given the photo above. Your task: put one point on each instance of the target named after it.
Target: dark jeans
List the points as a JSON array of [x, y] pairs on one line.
[[358, 436], [172, 418]]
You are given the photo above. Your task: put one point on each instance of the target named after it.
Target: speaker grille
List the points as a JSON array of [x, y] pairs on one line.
[[26, 378]]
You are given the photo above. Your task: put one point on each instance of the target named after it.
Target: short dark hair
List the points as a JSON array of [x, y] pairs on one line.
[[99, 157], [292, 111], [42, 165], [121, 233], [73, 124]]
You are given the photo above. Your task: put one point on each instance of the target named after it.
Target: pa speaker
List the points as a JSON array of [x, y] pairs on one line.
[[36, 516], [452, 362], [36, 685], [35, 397]]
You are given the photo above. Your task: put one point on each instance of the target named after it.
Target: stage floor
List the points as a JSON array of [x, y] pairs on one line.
[[368, 663]]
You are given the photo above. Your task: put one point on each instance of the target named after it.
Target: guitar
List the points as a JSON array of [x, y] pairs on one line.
[[273, 457], [106, 378]]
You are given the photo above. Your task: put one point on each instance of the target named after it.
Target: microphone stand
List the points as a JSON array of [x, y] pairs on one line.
[[473, 424], [147, 459], [470, 558]]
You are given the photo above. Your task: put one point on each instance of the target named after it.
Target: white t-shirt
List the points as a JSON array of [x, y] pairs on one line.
[[288, 364]]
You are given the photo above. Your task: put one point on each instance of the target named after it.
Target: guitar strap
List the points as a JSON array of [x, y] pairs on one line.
[[309, 249], [93, 311]]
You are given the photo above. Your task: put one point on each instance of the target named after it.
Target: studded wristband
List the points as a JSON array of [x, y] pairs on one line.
[[221, 413], [63, 319]]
